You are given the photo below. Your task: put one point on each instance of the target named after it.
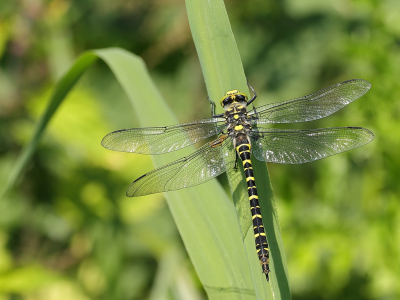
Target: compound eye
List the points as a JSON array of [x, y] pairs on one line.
[[240, 98], [226, 101]]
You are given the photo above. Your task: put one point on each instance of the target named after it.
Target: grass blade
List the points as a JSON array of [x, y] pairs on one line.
[[212, 238], [223, 71], [62, 88]]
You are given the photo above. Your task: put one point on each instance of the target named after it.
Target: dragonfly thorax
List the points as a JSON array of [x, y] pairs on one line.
[[237, 122]]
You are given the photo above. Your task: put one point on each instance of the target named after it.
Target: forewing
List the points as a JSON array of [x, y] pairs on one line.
[[300, 146], [158, 140], [202, 165], [312, 107]]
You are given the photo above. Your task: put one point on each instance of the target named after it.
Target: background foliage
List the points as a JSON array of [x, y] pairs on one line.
[[68, 231]]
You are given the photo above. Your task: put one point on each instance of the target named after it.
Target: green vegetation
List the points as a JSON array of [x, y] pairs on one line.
[[67, 231]]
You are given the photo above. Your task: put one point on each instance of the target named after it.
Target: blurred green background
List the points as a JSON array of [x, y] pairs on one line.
[[67, 231]]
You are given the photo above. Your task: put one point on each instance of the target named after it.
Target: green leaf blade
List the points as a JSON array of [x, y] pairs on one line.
[[64, 85], [212, 238], [223, 71], [204, 214]]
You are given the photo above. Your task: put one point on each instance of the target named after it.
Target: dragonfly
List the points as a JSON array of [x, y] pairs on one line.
[[239, 137]]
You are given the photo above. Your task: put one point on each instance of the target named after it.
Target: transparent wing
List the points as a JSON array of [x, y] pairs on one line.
[[287, 146], [158, 140], [202, 165], [312, 107]]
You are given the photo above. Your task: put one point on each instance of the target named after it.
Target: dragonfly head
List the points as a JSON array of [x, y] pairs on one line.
[[233, 96]]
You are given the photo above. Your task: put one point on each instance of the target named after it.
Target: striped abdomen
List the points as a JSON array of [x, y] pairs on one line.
[[258, 226]]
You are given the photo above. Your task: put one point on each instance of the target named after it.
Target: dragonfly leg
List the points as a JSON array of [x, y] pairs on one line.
[[252, 99], [254, 95], [236, 160], [212, 103]]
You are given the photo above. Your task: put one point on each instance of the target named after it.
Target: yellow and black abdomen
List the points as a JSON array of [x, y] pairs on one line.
[[258, 226]]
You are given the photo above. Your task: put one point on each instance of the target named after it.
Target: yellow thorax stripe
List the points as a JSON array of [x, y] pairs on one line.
[[238, 127]]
